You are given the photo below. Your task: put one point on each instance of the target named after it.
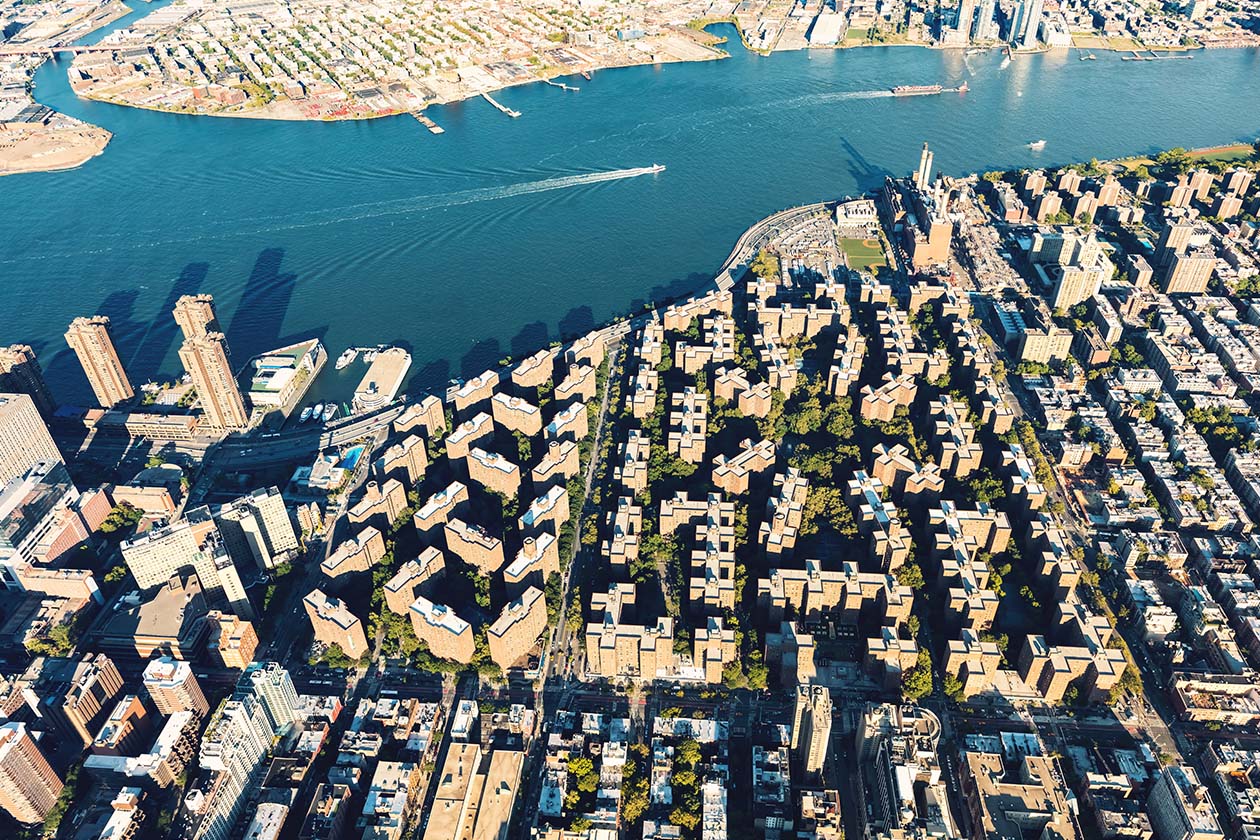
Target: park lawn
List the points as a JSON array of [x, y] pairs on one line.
[[1238, 151], [1123, 44], [863, 253], [1089, 42]]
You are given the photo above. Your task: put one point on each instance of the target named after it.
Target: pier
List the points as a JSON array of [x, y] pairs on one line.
[[561, 85], [428, 123], [503, 108]]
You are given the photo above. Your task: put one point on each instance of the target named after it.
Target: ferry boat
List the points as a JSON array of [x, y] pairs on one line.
[[347, 357], [1037, 145], [305, 416], [917, 90]]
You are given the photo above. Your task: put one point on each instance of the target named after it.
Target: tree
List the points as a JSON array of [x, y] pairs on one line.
[[910, 574], [574, 619], [826, 504], [124, 516], [917, 682], [838, 418], [688, 752], [985, 487], [953, 688], [765, 265]]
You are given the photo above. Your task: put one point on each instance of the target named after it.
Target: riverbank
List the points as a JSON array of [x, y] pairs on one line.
[[147, 89], [33, 139], [285, 110], [69, 144]]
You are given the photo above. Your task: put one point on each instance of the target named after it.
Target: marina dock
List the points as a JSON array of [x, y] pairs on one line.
[[562, 85], [428, 123], [503, 108]]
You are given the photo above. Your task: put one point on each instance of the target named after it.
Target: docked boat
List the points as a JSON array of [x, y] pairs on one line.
[[305, 416], [347, 357], [330, 412], [1037, 145], [317, 411]]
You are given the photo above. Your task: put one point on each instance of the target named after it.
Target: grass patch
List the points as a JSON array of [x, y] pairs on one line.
[[863, 253]]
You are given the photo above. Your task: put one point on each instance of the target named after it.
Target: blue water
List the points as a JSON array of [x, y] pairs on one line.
[[478, 243], [351, 458]]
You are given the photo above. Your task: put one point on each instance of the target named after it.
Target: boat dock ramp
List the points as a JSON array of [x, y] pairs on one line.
[[428, 123], [503, 108]]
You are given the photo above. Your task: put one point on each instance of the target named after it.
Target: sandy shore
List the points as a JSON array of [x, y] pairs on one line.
[[38, 148]]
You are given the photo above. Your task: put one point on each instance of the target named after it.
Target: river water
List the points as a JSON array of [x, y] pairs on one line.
[[501, 234]]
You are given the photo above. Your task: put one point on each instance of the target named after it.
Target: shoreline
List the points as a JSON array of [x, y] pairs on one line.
[[711, 44], [87, 140], [261, 114]]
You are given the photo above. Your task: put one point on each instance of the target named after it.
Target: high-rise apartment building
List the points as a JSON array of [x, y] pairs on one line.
[[985, 27], [1189, 272], [257, 529], [78, 705], [20, 373], [206, 360], [90, 340], [193, 542], [232, 641], [28, 785], [1180, 807], [196, 316], [1173, 239], [811, 726], [232, 752], [24, 439], [966, 14], [334, 624], [272, 685], [517, 628], [1027, 24], [174, 688]]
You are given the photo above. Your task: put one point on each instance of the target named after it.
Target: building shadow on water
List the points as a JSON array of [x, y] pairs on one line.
[[666, 293], [162, 332], [257, 320], [483, 355], [577, 321], [255, 325], [530, 340], [430, 379], [867, 174]]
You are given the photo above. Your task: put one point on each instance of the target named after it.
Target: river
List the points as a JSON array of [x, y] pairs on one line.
[[501, 234]]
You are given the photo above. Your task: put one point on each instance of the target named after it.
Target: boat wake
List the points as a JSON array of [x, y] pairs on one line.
[[358, 212]]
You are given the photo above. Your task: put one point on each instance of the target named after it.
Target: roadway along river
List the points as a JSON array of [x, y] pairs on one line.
[[495, 236]]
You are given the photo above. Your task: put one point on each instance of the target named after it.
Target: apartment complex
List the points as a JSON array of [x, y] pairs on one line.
[[90, 340]]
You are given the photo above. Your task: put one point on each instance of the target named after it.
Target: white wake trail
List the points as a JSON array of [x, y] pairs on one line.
[[355, 212]]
